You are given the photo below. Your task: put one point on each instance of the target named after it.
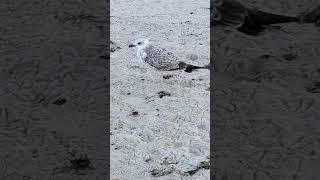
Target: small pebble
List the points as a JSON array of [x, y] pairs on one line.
[[168, 76], [135, 113], [289, 57], [60, 101], [163, 93]]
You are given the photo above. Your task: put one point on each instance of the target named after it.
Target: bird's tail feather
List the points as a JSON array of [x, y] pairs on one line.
[[189, 68]]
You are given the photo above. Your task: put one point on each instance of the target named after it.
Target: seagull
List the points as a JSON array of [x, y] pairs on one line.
[[251, 21], [161, 58]]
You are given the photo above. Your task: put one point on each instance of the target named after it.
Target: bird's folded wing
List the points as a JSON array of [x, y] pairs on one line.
[[160, 58]]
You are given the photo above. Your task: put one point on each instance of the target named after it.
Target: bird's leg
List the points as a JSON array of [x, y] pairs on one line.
[[161, 81], [153, 79]]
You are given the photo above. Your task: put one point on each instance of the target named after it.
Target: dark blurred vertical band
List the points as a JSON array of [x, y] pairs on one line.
[[211, 91], [108, 86]]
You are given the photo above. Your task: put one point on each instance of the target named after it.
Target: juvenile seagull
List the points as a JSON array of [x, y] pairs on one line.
[[251, 21], [161, 58]]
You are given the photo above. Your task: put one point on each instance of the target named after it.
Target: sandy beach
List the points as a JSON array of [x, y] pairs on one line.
[[160, 126]]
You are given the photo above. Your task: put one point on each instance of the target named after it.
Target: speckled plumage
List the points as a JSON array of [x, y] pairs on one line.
[[160, 58]]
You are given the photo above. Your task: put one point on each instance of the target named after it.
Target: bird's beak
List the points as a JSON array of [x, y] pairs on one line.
[[131, 45]]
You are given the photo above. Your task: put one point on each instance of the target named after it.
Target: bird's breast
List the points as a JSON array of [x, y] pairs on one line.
[[141, 53]]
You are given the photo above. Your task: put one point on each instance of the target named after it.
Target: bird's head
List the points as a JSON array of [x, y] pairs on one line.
[[139, 43]]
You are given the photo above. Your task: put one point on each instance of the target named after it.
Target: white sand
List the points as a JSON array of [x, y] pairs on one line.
[[171, 134]]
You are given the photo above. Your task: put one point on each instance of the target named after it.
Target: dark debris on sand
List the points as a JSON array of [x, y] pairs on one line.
[[163, 93]]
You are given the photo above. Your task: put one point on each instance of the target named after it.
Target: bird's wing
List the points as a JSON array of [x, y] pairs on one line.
[[161, 58]]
